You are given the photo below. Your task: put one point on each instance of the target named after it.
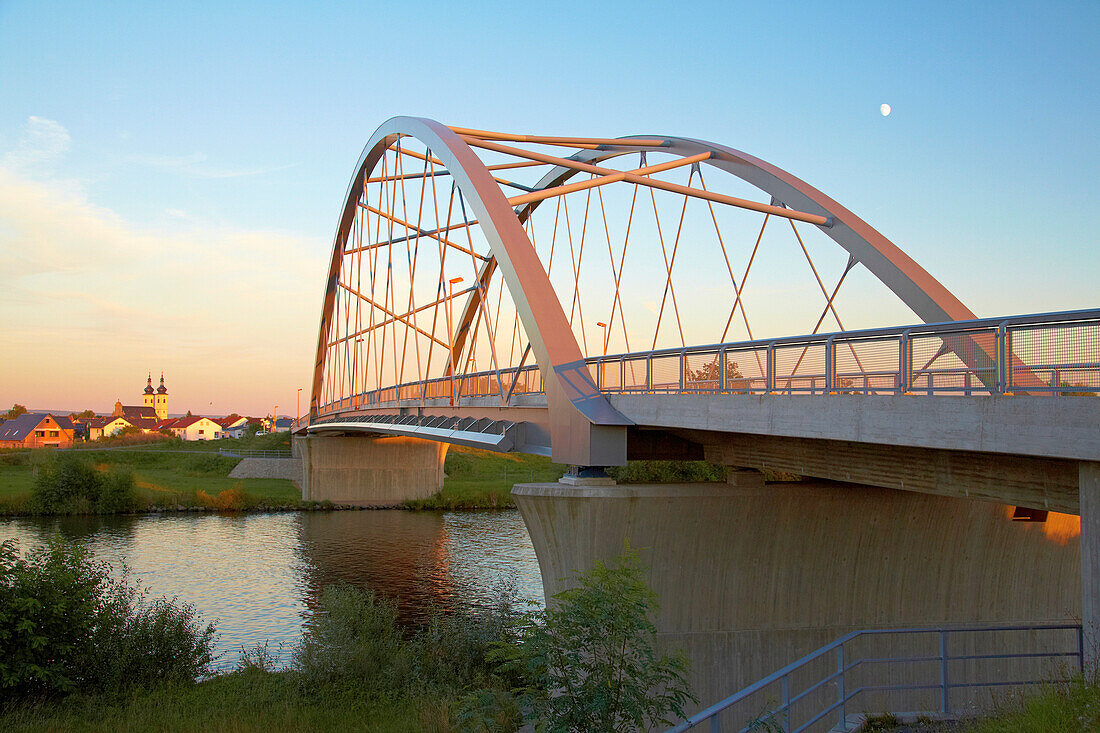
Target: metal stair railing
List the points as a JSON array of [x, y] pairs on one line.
[[721, 715]]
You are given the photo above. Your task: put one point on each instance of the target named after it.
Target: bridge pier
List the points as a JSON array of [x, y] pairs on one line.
[[370, 471], [750, 578], [1089, 473]]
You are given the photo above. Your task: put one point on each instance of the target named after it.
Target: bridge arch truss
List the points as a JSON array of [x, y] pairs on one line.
[[451, 278]]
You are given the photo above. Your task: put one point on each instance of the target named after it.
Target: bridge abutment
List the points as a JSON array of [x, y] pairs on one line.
[[1089, 477], [370, 471], [750, 578]]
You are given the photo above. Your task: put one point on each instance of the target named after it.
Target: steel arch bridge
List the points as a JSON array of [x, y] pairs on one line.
[[461, 301]]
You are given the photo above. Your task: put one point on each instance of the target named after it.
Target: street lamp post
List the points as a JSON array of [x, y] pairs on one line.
[[602, 325], [298, 406]]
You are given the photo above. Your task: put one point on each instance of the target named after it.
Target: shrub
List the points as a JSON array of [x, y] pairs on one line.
[[69, 484], [667, 472], [457, 649], [591, 659], [66, 626], [354, 640], [233, 499], [62, 481], [117, 491]]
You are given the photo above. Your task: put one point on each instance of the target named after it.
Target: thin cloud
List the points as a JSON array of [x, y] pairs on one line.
[[41, 147], [194, 165]]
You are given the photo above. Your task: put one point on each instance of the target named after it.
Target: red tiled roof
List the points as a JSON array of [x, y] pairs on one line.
[[186, 422]]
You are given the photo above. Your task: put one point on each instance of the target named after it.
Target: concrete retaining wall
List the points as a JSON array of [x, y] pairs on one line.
[[286, 468]]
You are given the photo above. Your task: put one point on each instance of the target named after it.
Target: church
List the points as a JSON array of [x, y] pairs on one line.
[[148, 416]]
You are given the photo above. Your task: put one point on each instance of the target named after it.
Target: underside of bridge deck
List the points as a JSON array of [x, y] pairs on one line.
[[1037, 483]]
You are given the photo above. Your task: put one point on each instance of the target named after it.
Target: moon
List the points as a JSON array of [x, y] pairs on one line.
[[884, 109]]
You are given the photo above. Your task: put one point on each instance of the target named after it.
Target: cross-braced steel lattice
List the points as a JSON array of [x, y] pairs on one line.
[[472, 264]]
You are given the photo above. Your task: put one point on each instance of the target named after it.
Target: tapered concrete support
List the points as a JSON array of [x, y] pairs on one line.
[[1090, 560], [371, 471], [752, 578]]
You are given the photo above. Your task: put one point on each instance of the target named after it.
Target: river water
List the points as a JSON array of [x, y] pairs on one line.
[[258, 576]]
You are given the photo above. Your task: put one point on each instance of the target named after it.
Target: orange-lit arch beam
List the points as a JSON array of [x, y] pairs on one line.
[[585, 428], [580, 165]]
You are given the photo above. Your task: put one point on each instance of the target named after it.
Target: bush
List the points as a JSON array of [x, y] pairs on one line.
[[457, 649], [591, 660], [68, 484], [353, 641], [233, 499], [667, 472], [66, 626]]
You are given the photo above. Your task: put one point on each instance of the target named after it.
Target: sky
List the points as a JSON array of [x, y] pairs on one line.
[[171, 175]]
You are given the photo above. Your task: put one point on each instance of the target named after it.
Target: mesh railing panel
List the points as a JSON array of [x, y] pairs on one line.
[[746, 370], [1060, 358], [800, 368], [702, 371], [954, 363], [634, 374], [666, 373], [866, 366]]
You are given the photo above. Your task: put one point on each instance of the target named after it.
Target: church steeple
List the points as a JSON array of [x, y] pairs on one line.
[[161, 399], [147, 398]]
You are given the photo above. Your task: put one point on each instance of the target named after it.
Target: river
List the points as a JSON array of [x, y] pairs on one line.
[[258, 576]]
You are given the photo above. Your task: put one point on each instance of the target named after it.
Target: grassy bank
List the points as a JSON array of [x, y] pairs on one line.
[[164, 480], [172, 474], [89, 652], [251, 700], [480, 479]]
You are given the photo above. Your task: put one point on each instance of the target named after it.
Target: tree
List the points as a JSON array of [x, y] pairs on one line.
[[708, 372], [189, 414], [15, 411], [86, 414], [591, 660]]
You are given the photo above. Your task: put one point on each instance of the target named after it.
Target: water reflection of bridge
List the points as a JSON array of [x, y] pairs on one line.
[[461, 247]]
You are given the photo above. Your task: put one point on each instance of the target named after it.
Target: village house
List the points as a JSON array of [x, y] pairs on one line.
[[196, 428], [106, 427], [37, 430]]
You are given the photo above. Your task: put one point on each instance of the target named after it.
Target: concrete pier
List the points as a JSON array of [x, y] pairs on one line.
[[750, 578], [370, 471]]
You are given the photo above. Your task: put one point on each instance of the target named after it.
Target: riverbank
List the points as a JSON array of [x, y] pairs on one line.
[[172, 476], [250, 700]]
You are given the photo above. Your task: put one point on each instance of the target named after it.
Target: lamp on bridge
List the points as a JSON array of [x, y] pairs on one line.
[[603, 325], [298, 407]]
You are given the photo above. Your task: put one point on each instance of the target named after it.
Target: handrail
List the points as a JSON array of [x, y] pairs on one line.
[[1005, 373], [945, 684]]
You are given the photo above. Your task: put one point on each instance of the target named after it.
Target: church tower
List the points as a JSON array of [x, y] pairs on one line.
[[161, 404], [147, 398]]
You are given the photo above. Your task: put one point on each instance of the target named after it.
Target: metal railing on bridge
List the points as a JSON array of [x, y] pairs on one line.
[[1047, 353], [816, 692]]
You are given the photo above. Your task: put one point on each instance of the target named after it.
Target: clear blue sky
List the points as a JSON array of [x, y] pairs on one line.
[[194, 122]]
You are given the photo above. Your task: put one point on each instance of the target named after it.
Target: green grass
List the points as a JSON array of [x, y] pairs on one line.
[[1065, 708], [161, 479], [480, 479], [476, 479], [266, 702]]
